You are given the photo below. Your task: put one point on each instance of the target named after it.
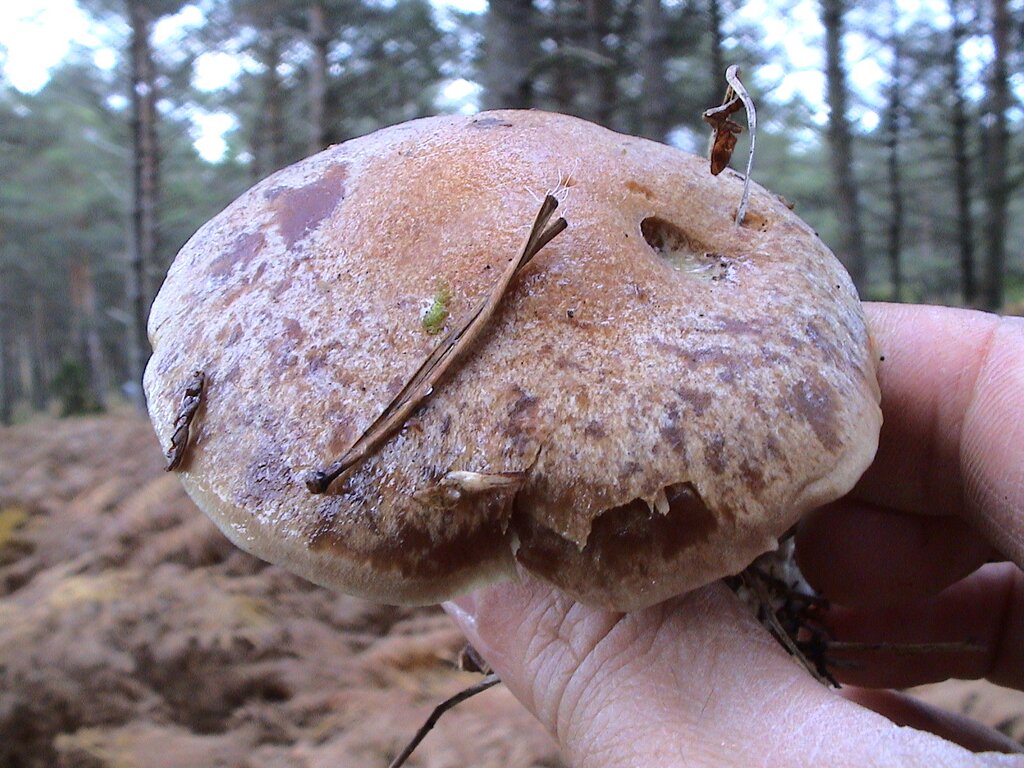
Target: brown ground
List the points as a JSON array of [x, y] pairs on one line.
[[132, 634]]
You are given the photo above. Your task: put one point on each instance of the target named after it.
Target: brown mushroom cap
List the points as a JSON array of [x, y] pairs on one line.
[[673, 390]]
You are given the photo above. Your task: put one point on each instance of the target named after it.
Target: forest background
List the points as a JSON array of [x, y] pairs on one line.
[[896, 128]]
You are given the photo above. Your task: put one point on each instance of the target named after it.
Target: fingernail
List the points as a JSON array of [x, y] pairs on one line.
[[462, 609]]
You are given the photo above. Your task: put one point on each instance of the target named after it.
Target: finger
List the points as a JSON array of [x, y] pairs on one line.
[[858, 555], [953, 433], [904, 709], [693, 681], [984, 614]]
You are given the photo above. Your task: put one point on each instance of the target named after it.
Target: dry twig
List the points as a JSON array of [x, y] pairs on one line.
[[445, 354], [907, 649], [190, 401], [488, 682]]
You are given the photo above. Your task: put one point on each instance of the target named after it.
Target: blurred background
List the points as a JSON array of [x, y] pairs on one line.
[[131, 632], [895, 126]]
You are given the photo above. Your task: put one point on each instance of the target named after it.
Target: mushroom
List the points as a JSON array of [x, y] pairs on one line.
[[658, 397]]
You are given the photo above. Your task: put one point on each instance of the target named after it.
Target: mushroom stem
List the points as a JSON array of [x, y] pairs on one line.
[[445, 354]]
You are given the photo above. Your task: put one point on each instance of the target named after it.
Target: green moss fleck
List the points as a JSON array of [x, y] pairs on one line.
[[11, 518], [437, 313]]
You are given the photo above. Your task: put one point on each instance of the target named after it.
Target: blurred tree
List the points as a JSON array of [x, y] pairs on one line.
[[511, 53], [602, 92], [717, 57], [847, 193], [62, 142], [313, 72], [85, 330], [895, 128], [961, 157], [997, 182], [145, 185], [71, 386], [264, 34], [320, 40], [655, 106], [144, 268]]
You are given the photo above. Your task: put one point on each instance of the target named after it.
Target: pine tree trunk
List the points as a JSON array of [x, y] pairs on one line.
[[272, 106], [320, 40], [654, 103], [717, 58], [512, 48], [6, 390], [563, 84], [997, 191], [145, 191], [961, 160], [841, 144], [894, 121], [41, 373], [259, 165], [6, 384], [85, 333], [601, 76]]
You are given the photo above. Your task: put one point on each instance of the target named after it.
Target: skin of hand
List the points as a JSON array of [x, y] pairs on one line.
[[927, 548]]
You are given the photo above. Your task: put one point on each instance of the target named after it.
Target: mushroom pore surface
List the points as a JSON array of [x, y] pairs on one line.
[[663, 392]]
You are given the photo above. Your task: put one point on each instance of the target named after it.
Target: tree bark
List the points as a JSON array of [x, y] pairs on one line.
[[997, 190], [841, 143], [145, 176], [602, 73], [85, 331], [654, 104], [6, 378], [41, 370], [961, 159], [6, 390], [512, 48], [320, 39], [717, 58], [273, 139], [894, 124]]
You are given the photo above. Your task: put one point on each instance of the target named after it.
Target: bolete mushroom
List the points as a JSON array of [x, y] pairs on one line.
[[659, 396]]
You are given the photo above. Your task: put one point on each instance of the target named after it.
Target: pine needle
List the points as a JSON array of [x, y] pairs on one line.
[[421, 385]]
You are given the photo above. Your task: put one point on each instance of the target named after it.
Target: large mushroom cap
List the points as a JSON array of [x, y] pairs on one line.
[[660, 395]]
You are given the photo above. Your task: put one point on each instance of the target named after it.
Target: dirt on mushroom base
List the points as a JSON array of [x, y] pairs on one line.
[[133, 634]]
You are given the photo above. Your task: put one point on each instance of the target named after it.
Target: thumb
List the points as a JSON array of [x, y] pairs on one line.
[[694, 681]]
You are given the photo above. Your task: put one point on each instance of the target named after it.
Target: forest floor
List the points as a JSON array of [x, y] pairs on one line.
[[132, 634]]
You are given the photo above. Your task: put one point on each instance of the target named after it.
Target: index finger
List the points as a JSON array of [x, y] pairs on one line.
[[952, 439]]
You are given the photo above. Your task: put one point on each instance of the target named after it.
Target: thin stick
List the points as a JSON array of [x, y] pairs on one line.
[[787, 642], [445, 354], [733, 79], [909, 649], [488, 682]]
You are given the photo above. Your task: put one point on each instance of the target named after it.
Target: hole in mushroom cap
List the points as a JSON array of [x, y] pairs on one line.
[[682, 251]]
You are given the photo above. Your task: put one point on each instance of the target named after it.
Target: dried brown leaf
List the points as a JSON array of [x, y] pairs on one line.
[[725, 131], [723, 140]]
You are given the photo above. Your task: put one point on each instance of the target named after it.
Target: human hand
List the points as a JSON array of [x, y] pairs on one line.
[[695, 681]]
